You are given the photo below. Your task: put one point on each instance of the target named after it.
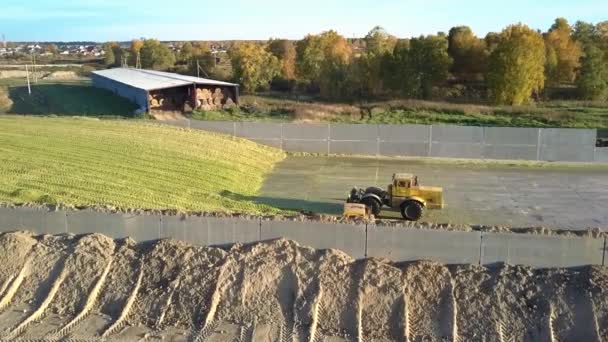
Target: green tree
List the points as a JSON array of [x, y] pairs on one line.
[[583, 32], [593, 80], [155, 55], [379, 47], [253, 66], [285, 51], [468, 53], [186, 52], [563, 53], [429, 64], [516, 67], [379, 42], [109, 58]]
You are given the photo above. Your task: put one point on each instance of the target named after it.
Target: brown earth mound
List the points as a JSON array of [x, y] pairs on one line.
[[94, 287]]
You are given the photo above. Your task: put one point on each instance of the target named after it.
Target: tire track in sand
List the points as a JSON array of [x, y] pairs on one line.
[[129, 303], [210, 323], [14, 286], [89, 304], [39, 313]]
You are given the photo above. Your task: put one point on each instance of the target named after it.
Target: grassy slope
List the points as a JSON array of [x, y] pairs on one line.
[[573, 114], [129, 165], [64, 98]]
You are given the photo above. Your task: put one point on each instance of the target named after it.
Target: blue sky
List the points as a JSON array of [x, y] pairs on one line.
[[99, 20]]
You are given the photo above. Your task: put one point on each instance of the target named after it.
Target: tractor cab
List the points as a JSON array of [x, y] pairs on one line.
[[402, 183]]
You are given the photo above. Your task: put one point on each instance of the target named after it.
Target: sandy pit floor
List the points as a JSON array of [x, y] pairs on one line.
[[479, 194], [91, 287]]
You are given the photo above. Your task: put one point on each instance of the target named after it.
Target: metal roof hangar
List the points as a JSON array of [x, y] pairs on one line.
[[157, 90]]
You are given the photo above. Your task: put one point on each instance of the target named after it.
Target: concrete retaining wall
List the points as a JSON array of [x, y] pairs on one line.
[[507, 143], [359, 241]]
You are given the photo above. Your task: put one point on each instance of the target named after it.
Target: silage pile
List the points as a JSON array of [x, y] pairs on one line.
[[303, 293]]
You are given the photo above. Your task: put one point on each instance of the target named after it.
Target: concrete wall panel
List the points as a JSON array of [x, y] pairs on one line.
[[575, 145], [354, 147], [213, 126], [457, 134], [401, 244], [309, 146], [541, 251], [306, 131], [354, 132], [404, 149], [457, 150], [348, 238], [228, 231], [35, 220], [408, 133], [601, 154], [510, 152], [567, 136], [268, 142], [138, 227], [258, 130], [510, 136]]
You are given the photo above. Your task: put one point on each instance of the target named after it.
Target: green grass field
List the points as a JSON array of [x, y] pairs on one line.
[[566, 114], [129, 164], [62, 98]]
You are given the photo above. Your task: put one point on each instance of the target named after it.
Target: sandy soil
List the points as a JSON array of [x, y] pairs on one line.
[[93, 287]]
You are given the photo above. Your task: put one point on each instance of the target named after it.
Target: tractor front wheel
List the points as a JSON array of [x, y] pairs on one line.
[[373, 204], [411, 210]]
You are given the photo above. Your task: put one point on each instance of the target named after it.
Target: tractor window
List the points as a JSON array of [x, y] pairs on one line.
[[404, 184]]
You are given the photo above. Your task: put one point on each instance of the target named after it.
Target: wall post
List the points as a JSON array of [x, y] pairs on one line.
[[604, 252], [538, 144], [430, 141], [328, 139]]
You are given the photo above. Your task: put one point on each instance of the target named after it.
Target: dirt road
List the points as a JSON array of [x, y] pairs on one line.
[[566, 198]]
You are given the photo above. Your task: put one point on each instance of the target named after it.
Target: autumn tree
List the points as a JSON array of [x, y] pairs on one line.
[[593, 80], [109, 57], [314, 50], [155, 55], [196, 59], [516, 66], [51, 48], [135, 51], [253, 66], [468, 53], [285, 51], [563, 53]]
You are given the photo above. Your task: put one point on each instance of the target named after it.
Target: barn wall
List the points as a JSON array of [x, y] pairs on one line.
[[135, 95]]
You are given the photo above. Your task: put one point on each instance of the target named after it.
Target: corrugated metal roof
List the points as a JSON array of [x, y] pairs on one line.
[[151, 79]]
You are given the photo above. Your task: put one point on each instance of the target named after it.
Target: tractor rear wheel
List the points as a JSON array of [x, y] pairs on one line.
[[411, 210], [373, 205]]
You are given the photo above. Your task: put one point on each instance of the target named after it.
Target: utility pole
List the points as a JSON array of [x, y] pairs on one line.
[[138, 62], [27, 73], [198, 67], [34, 67]]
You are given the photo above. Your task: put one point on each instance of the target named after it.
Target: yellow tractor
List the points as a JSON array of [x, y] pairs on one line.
[[403, 194]]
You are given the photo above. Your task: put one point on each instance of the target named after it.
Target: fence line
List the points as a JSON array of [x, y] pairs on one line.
[[512, 143], [358, 240]]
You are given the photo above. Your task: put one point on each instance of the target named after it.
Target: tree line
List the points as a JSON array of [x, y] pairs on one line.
[[513, 67]]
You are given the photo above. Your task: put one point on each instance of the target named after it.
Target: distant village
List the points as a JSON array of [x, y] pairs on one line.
[[75, 50]]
